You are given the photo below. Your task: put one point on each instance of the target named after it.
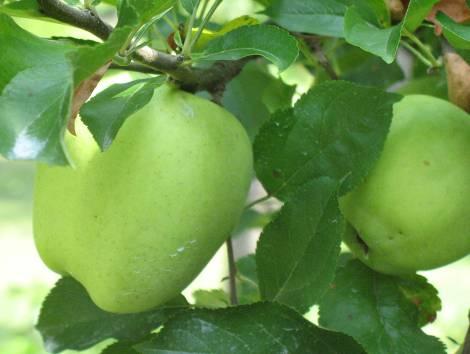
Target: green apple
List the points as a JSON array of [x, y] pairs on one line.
[[137, 223], [413, 211]]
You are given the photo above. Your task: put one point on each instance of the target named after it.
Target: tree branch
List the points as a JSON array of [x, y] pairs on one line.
[[232, 266], [212, 79], [84, 19]]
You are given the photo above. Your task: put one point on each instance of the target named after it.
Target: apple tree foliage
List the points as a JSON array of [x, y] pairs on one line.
[[308, 151]]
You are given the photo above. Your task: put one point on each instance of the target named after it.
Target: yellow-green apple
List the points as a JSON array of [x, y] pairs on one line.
[[413, 211], [135, 224]]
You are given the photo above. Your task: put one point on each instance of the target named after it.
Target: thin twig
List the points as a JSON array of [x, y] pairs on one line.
[[313, 44], [416, 53], [232, 267], [189, 30], [423, 48], [205, 21]]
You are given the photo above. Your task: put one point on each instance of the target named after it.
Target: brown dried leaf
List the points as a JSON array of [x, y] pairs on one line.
[[83, 93], [458, 80], [397, 9], [458, 10]]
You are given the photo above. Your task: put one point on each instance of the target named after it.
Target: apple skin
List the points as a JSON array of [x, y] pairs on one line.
[[413, 211], [137, 223]]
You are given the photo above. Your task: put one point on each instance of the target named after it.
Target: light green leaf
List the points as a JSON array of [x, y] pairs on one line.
[[457, 34], [271, 42], [323, 17], [26, 9], [105, 113], [383, 42]]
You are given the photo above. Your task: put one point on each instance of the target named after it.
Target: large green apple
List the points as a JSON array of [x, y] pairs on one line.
[[137, 223], [413, 211]]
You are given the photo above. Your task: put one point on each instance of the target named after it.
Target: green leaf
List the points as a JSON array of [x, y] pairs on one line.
[[371, 308], [138, 12], [211, 299], [33, 71], [119, 348], [296, 255], [188, 5], [322, 17], [253, 94], [416, 13], [363, 68], [259, 328], [374, 11], [26, 9], [270, 42], [70, 320], [43, 73], [422, 295], [336, 130], [87, 59], [457, 34], [105, 113], [383, 42]]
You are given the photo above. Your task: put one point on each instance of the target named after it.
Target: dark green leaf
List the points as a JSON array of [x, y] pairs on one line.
[[270, 42], [251, 329], [70, 320], [211, 299], [422, 295], [253, 94], [106, 112], [371, 307], [363, 68], [337, 130], [296, 255], [119, 348]]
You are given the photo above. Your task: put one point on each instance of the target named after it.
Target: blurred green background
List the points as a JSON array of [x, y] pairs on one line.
[[25, 281]]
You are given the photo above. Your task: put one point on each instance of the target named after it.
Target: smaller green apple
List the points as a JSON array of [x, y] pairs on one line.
[[413, 211]]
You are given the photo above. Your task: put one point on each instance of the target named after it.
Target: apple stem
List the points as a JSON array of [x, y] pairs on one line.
[[232, 267], [257, 201]]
